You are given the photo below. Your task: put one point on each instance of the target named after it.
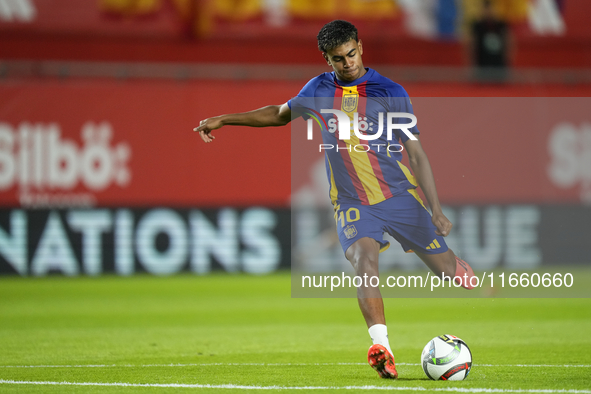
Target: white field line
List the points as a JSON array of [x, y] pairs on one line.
[[277, 365], [254, 387]]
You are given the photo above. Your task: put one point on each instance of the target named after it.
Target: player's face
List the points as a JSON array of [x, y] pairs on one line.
[[346, 60]]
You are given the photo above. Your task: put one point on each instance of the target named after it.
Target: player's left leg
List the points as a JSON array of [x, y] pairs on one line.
[[448, 264]]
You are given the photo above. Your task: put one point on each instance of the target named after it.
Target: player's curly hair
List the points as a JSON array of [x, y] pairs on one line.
[[335, 34]]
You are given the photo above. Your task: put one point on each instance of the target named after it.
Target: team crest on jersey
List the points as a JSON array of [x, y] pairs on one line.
[[350, 231], [350, 102]]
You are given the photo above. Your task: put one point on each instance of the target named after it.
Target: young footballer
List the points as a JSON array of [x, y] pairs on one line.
[[371, 190]]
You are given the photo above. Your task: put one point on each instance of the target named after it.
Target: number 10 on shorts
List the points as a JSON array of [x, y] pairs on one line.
[[352, 215]]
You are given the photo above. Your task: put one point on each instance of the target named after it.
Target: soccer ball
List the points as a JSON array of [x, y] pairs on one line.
[[446, 357]]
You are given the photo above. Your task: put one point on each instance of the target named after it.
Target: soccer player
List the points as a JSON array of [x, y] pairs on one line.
[[372, 191]]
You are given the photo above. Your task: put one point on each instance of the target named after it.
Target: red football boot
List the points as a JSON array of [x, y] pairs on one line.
[[463, 274], [382, 361]]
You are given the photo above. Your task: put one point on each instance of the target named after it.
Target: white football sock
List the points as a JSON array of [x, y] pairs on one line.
[[379, 334]]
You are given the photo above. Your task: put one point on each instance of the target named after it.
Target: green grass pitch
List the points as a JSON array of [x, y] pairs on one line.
[[229, 333]]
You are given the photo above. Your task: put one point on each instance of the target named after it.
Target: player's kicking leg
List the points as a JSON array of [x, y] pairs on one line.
[[448, 264], [363, 255]]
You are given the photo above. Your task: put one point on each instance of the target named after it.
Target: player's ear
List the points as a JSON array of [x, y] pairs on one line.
[[325, 56], [359, 44]]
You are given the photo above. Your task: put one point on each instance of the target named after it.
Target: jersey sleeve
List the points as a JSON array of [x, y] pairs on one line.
[[308, 90], [305, 98], [400, 102]]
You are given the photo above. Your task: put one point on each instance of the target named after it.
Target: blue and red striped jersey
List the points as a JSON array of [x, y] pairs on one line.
[[360, 171]]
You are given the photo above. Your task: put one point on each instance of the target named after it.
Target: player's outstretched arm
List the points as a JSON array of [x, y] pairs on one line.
[[271, 115], [421, 168]]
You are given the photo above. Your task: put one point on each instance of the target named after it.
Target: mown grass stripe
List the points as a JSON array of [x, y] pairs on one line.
[[277, 364], [257, 387]]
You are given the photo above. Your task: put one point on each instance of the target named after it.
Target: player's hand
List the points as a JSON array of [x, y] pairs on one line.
[[206, 126], [442, 224]]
